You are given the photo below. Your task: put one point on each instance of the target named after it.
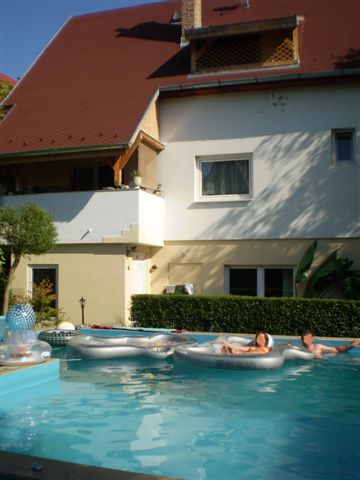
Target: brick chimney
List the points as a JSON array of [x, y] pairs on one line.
[[190, 16]]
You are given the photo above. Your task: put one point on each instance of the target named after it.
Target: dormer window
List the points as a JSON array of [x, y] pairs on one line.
[[269, 43]]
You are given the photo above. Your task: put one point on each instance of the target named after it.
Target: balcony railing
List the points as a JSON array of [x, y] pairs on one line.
[[116, 216]]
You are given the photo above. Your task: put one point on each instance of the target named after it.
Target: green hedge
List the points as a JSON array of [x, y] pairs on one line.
[[226, 313]]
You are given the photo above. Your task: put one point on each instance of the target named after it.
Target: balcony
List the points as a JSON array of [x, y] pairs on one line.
[[131, 216]]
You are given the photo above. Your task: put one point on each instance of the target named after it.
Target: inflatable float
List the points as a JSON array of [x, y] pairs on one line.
[[210, 355], [59, 336], [21, 345], [158, 346], [290, 351]]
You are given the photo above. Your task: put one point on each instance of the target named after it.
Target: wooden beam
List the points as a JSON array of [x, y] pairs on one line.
[[244, 28], [151, 141], [296, 44], [123, 159], [117, 172]]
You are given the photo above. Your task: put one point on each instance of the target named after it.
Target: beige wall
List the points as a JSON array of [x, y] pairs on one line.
[[103, 274], [95, 272], [150, 122], [202, 263]]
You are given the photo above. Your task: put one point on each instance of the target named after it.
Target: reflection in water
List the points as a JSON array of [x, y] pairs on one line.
[[19, 430], [201, 424]]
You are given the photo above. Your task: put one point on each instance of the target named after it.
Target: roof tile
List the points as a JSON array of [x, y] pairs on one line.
[[94, 81]]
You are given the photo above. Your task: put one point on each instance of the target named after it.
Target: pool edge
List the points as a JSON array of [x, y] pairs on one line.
[[16, 466]]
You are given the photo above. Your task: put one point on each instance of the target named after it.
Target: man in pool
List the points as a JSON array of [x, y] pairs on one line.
[[317, 349]]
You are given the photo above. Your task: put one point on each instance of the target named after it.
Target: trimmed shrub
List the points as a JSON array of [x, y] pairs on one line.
[[229, 313]]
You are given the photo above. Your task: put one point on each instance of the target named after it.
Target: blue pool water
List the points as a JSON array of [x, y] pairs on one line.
[[157, 417]]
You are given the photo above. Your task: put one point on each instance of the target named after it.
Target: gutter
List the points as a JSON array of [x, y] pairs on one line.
[[188, 87], [60, 151]]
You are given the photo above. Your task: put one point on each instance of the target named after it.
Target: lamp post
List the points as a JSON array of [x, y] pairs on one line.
[[82, 305]]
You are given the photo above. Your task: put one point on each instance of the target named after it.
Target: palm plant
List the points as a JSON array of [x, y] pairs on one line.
[[331, 279]]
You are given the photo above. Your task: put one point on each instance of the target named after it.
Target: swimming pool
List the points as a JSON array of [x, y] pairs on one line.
[[157, 417]]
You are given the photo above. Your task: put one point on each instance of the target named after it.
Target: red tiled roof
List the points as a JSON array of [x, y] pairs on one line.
[[92, 84]]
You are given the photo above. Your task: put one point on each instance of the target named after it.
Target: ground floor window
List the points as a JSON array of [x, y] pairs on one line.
[[259, 281], [39, 273]]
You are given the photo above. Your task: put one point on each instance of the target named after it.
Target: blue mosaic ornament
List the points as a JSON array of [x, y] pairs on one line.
[[20, 317]]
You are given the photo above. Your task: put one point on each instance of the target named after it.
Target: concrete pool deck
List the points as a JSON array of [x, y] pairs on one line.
[[15, 466]]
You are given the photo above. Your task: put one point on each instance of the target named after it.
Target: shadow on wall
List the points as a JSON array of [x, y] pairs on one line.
[[306, 195], [72, 203], [252, 114]]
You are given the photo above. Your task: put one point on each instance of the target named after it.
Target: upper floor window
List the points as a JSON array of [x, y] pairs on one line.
[[225, 177], [343, 145]]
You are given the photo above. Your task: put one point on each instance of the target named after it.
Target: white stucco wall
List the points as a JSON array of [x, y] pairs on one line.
[[298, 191], [94, 217]]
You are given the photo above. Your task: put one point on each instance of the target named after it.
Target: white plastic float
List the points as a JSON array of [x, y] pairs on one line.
[[210, 355], [21, 345], [158, 346]]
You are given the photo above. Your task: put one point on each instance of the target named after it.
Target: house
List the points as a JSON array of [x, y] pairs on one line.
[[242, 117]]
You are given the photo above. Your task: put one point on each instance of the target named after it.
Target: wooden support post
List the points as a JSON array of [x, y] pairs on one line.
[[117, 172]]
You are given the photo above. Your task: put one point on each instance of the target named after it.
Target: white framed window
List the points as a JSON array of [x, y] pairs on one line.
[[343, 145], [38, 273], [224, 177], [259, 281]]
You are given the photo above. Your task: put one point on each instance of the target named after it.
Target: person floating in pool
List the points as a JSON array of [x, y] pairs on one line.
[[261, 346], [317, 349]]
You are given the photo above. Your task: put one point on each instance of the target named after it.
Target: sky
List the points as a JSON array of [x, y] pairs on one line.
[[27, 26]]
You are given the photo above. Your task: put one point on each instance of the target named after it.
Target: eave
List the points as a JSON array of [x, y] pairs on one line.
[[244, 28], [56, 154], [259, 83]]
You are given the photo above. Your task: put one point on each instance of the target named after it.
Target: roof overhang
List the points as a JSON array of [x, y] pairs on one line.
[[244, 28], [236, 84], [58, 154]]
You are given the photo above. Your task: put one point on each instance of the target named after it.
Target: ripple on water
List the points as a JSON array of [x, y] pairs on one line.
[[198, 424]]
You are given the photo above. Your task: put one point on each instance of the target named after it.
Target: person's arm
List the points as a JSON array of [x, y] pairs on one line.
[[233, 346], [239, 348], [348, 346], [325, 348]]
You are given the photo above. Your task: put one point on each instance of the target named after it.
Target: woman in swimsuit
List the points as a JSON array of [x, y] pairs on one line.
[[261, 346]]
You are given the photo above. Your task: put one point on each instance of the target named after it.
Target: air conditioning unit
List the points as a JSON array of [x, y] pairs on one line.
[[186, 289]]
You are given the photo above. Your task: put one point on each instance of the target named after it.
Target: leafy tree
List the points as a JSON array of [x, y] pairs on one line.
[[42, 301], [26, 230], [5, 89], [331, 279]]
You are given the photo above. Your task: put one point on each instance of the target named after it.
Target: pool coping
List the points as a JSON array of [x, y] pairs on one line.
[[114, 329], [16, 466]]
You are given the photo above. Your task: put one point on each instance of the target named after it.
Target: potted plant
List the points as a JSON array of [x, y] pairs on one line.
[[136, 178]]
